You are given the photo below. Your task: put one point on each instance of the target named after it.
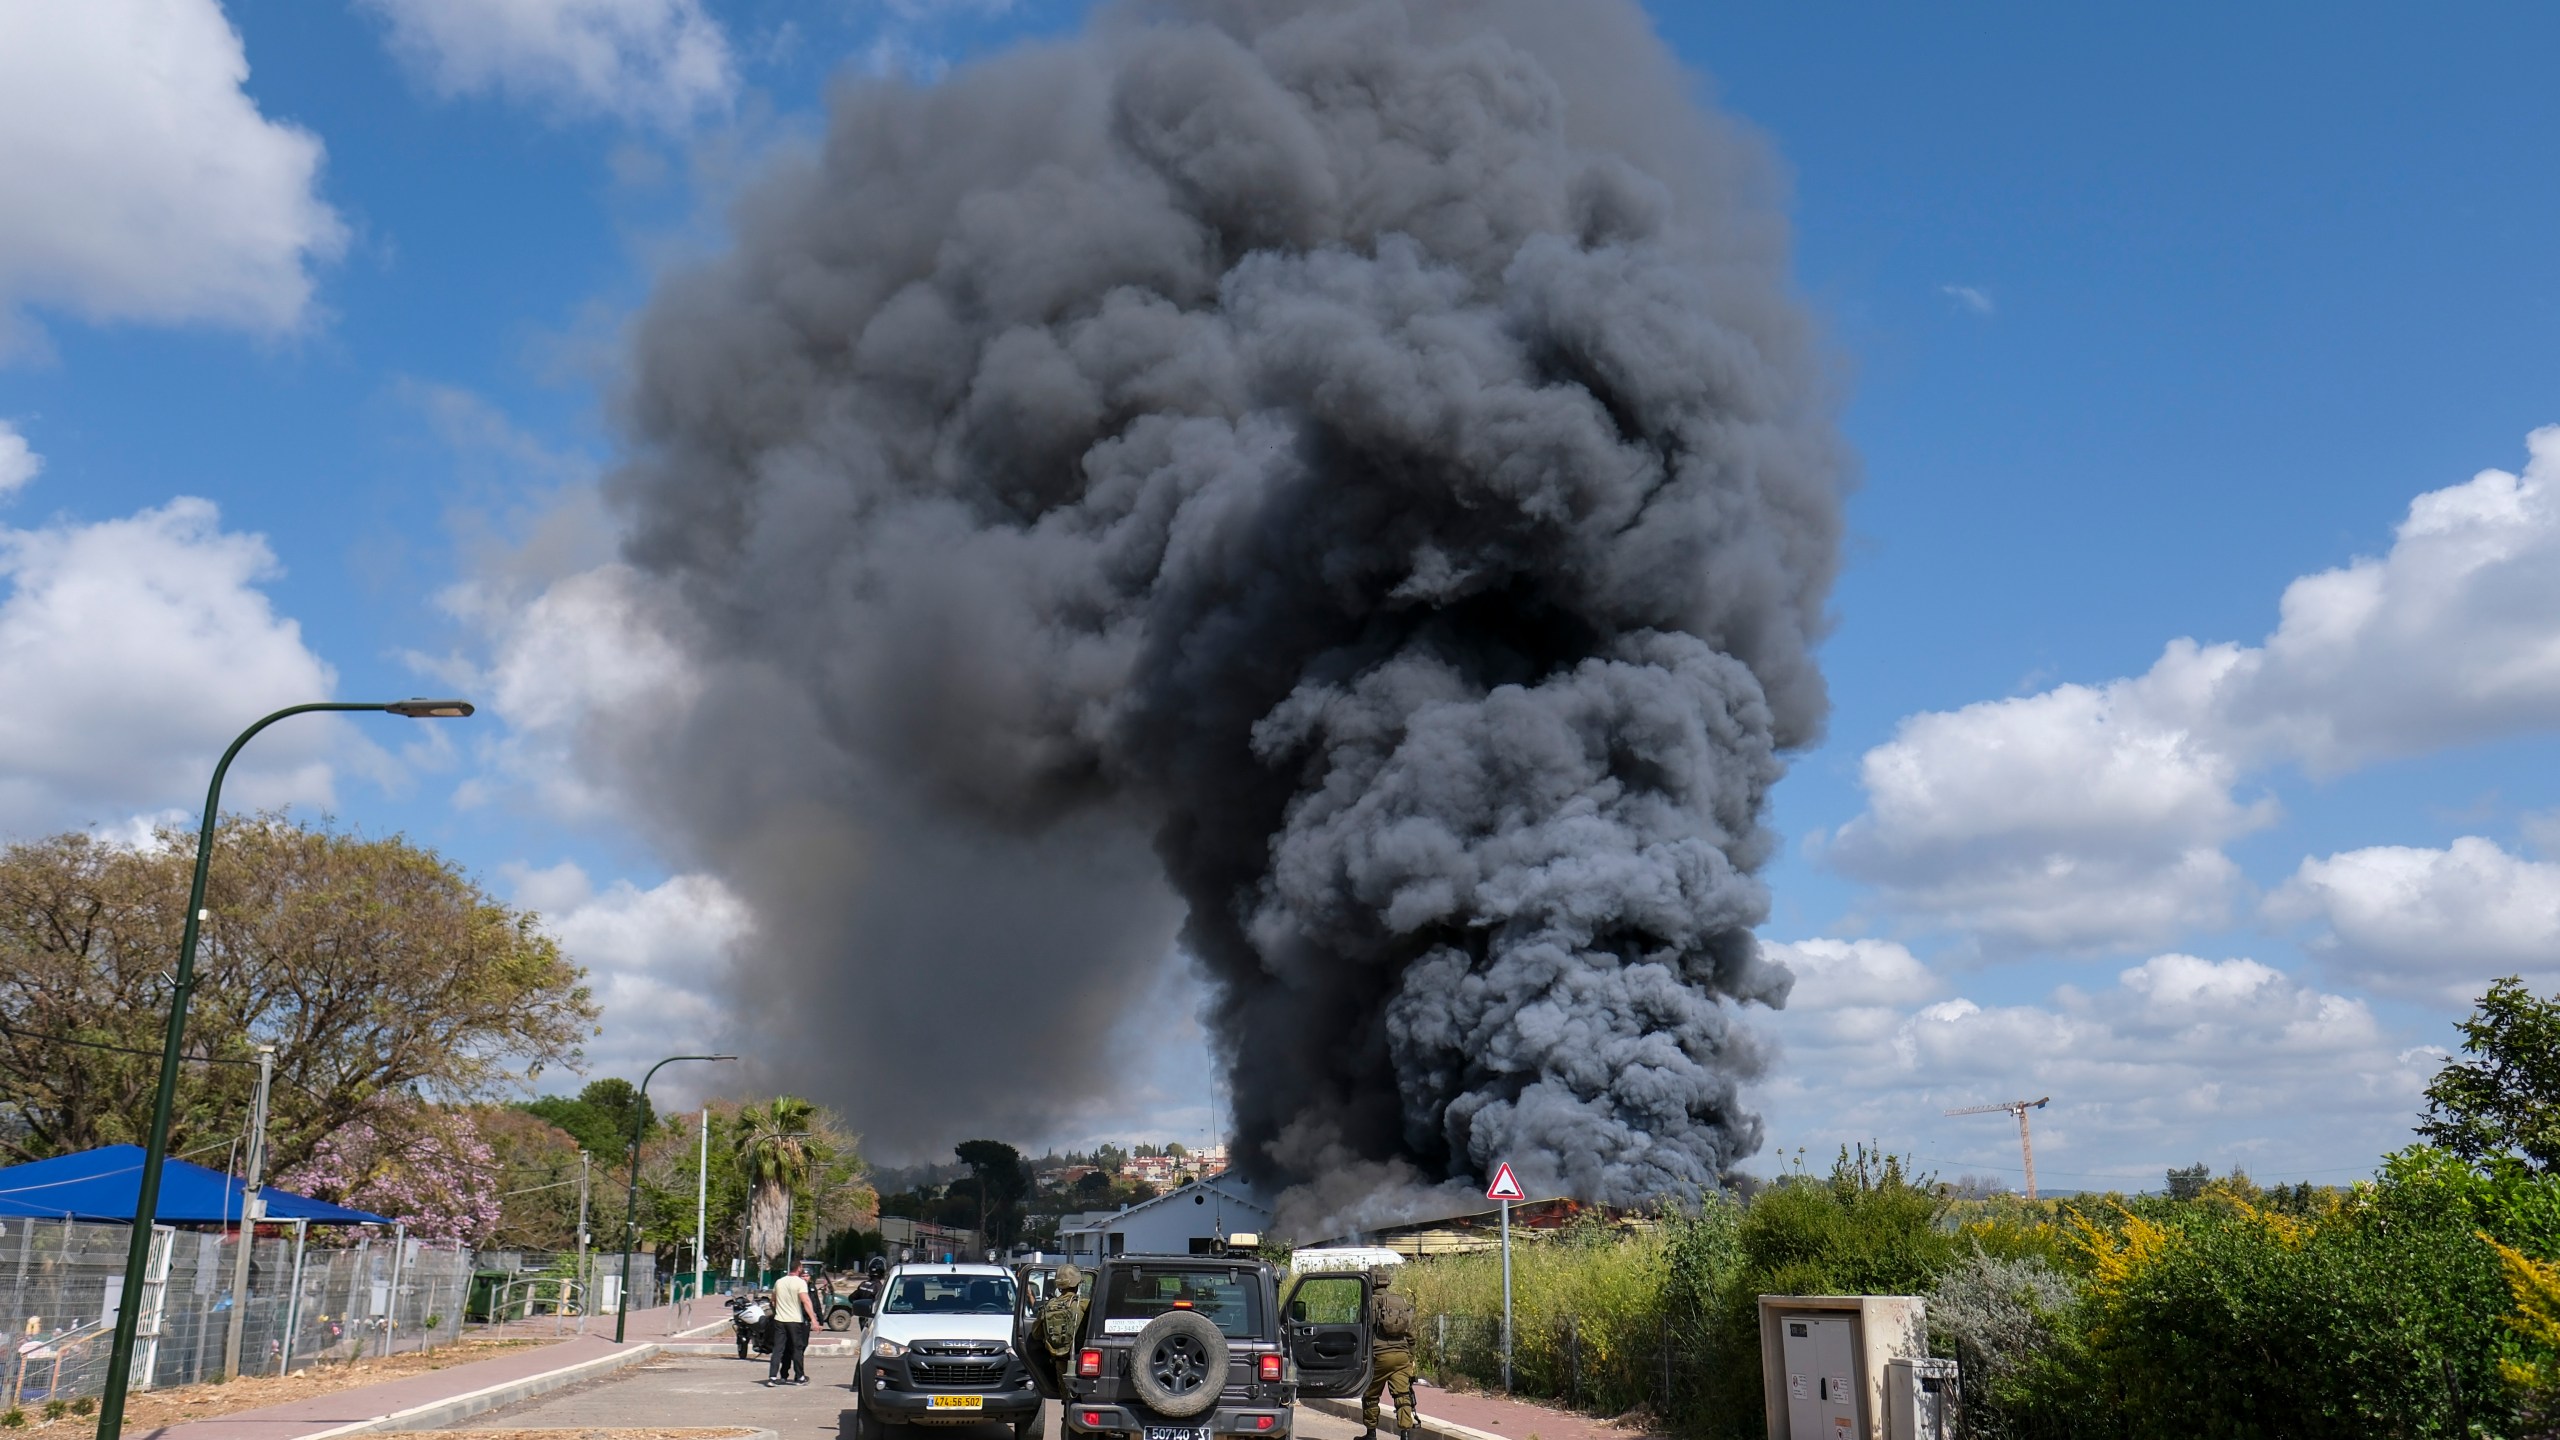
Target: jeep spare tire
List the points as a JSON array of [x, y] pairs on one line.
[[1179, 1364]]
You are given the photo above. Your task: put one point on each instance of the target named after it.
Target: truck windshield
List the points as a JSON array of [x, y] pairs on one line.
[[950, 1295], [1136, 1294]]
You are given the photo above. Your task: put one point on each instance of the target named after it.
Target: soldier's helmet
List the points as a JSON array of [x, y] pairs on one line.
[[1068, 1278]]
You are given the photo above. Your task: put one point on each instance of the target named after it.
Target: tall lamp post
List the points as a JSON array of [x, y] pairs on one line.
[[631, 1206], [146, 1201]]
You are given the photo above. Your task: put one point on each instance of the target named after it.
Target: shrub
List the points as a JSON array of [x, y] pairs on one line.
[[83, 1406], [56, 1409], [1870, 1228], [14, 1418], [2221, 1318], [1997, 1316]]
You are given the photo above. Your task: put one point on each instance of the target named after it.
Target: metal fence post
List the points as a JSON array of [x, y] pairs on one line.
[[1573, 1360], [1666, 1362]]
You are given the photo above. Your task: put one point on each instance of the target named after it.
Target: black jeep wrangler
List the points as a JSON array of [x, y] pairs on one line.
[[1193, 1347]]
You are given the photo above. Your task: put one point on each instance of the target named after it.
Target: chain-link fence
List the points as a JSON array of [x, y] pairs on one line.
[[61, 1281], [1626, 1364]]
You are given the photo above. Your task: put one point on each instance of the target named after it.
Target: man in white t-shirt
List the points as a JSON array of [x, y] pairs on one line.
[[792, 1312]]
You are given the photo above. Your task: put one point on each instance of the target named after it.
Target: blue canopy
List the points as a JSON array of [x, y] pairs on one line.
[[104, 1183]]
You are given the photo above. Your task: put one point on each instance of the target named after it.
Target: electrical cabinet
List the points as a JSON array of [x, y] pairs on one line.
[[1821, 1371], [1920, 1399], [1823, 1359]]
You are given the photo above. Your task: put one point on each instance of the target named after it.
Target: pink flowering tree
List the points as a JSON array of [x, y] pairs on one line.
[[426, 1168]]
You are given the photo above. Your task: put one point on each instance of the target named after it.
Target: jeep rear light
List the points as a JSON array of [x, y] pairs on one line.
[[1089, 1365], [1261, 1422], [1268, 1368], [1093, 1418]]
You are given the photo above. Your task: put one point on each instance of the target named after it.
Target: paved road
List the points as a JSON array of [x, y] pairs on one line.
[[693, 1390]]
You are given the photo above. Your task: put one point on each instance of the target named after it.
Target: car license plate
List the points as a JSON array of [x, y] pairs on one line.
[[1176, 1432], [957, 1402]]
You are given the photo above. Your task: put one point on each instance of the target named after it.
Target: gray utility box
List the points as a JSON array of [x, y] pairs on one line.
[[1920, 1399], [1823, 1361]]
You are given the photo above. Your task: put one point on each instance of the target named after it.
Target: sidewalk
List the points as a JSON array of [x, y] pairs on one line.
[[441, 1397], [1467, 1415], [656, 1323]]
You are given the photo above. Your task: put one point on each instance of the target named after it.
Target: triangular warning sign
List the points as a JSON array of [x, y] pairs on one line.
[[1506, 1186]]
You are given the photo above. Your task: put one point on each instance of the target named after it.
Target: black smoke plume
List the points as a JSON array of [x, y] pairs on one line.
[[1358, 461]]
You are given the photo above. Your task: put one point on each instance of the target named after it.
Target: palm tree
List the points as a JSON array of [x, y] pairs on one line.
[[775, 1155]]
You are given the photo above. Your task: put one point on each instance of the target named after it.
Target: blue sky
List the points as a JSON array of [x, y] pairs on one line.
[[2140, 319]]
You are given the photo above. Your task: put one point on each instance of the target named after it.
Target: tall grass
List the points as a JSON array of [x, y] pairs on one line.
[[1589, 1315]]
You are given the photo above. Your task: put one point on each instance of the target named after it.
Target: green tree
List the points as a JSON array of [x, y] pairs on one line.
[[1001, 1182], [773, 1145], [601, 1117], [1111, 1158], [378, 969], [537, 1179], [2188, 1183], [2503, 1101]]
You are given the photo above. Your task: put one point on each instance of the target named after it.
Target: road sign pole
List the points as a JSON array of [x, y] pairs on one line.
[[1506, 1297]]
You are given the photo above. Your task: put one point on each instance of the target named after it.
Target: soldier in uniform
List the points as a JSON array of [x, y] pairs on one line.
[[1060, 1321], [1390, 1357]]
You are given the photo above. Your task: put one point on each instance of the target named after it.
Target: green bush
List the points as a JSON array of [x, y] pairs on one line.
[[56, 1409], [1998, 1317], [2381, 1319], [2233, 1312], [14, 1418], [84, 1406]]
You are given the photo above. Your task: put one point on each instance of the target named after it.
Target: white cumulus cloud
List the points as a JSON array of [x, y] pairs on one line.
[[656, 959], [572, 671], [132, 650], [2094, 817], [2434, 924], [2182, 1058], [19, 463], [2082, 817], [138, 180], [657, 62]]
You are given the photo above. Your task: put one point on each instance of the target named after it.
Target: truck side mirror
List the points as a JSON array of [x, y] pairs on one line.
[[1298, 1311]]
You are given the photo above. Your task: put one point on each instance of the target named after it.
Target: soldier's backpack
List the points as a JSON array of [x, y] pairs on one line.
[[1392, 1316], [1059, 1321]]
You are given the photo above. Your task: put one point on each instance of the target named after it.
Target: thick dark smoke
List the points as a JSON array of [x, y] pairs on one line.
[[1365, 450]]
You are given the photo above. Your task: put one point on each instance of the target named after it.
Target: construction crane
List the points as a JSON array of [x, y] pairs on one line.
[[2026, 1142]]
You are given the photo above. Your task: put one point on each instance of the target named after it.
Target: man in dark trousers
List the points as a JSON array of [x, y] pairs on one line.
[[793, 1310], [1390, 1357]]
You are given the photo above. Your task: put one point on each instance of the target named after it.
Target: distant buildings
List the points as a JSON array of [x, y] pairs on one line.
[[1187, 1220]]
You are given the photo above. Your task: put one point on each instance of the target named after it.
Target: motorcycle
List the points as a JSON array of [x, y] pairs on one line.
[[751, 1318]]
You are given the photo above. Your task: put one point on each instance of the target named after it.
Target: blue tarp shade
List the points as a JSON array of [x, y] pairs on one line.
[[102, 1185]]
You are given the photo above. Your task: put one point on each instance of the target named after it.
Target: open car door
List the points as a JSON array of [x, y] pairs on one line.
[[1034, 1284], [1328, 1332]]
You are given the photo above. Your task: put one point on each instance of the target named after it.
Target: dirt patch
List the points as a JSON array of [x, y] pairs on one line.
[[152, 1409]]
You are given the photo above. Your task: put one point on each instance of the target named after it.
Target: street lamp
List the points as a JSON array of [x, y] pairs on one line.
[[146, 1201], [631, 1207]]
